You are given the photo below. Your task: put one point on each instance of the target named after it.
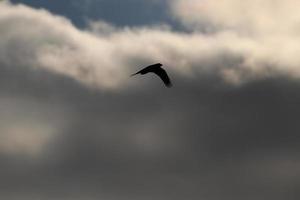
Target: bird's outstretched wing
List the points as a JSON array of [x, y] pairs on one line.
[[164, 76]]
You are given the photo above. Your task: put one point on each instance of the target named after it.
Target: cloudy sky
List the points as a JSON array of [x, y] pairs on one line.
[[75, 126]]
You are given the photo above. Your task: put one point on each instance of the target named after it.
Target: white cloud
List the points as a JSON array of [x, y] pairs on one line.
[[250, 40], [252, 16], [268, 30], [37, 38]]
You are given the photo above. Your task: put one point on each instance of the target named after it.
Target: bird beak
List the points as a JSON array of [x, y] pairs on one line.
[[134, 74]]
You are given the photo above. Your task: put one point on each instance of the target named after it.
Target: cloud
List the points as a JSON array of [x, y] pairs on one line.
[[137, 140], [263, 33], [203, 138], [236, 52], [37, 39], [254, 17], [28, 126]]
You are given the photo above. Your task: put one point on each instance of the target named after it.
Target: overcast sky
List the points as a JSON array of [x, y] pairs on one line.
[[75, 126]]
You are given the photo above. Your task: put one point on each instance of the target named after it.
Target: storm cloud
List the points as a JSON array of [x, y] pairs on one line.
[[73, 125]]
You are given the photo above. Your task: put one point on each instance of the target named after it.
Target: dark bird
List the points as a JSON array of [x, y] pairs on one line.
[[159, 71]]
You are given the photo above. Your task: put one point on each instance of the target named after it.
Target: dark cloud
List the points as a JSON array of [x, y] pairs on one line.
[[201, 139]]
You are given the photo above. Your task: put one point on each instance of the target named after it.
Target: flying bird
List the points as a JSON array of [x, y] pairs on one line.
[[159, 71]]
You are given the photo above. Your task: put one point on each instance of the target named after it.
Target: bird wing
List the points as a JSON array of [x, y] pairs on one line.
[[164, 76]]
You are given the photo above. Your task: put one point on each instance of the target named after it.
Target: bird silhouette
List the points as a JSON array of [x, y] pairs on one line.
[[159, 71]]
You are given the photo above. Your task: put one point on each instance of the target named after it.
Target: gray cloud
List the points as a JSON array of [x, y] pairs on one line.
[[203, 139]]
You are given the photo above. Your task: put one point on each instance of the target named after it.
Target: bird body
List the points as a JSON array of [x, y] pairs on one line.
[[158, 70]]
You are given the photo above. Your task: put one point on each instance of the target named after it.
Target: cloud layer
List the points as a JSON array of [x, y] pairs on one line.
[[258, 44], [132, 138]]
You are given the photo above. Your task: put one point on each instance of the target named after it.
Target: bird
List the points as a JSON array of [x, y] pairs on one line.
[[159, 71]]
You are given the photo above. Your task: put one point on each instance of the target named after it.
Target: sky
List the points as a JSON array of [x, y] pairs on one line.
[[75, 126]]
